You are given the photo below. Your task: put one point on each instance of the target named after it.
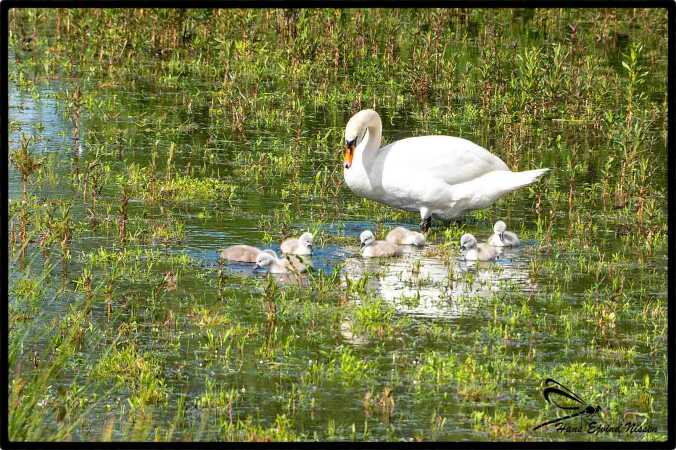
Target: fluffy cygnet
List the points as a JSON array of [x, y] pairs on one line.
[[474, 251], [300, 246], [280, 265], [242, 253], [501, 237], [404, 236], [377, 249]]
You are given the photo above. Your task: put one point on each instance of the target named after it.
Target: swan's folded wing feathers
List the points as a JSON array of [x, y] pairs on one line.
[[451, 159]]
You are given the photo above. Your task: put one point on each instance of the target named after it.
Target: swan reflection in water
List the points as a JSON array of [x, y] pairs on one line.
[[430, 286]]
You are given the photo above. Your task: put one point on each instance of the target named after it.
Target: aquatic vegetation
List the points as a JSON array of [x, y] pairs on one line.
[[175, 189], [144, 141], [24, 162], [140, 373]]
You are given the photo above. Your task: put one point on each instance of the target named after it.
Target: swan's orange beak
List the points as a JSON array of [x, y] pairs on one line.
[[349, 154]]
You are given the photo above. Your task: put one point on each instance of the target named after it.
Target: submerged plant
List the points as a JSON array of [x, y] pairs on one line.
[[123, 216], [25, 162], [194, 143]]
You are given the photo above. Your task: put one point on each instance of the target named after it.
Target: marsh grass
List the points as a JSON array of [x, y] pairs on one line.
[[229, 122]]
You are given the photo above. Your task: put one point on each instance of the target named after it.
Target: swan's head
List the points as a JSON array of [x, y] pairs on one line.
[[265, 258], [366, 238], [355, 131], [305, 240], [467, 241], [499, 228]]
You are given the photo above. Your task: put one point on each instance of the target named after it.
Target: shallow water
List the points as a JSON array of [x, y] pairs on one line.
[[433, 302]]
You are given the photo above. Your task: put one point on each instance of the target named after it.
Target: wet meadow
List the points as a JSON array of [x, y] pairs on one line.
[[142, 141]]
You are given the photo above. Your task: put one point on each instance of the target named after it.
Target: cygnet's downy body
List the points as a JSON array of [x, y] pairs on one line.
[[300, 246], [404, 236], [474, 251], [242, 253], [501, 237], [273, 264], [377, 249]]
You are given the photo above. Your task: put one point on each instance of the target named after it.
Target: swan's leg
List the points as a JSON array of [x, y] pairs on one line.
[[426, 219], [426, 222]]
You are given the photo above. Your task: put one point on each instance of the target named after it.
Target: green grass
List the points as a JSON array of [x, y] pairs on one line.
[[201, 126]]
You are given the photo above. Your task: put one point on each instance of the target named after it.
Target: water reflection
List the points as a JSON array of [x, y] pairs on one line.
[[430, 286], [417, 283]]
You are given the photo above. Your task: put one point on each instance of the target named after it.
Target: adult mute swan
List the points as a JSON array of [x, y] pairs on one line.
[[439, 176]]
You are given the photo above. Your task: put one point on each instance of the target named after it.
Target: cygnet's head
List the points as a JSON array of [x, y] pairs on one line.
[[355, 131], [265, 258], [366, 238], [467, 241], [499, 228], [305, 240]]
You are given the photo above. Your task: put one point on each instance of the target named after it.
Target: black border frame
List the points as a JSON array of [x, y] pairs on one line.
[[6, 5]]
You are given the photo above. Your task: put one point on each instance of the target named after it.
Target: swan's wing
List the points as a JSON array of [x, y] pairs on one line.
[[451, 159]]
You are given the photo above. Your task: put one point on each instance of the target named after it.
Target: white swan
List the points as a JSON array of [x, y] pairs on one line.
[[440, 176], [377, 249], [300, 246], [476, 252], [243, 253], [270, 261], [501, 237], [404, 236]]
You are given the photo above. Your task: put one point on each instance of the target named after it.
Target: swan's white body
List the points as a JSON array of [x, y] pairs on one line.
[[440, 176]]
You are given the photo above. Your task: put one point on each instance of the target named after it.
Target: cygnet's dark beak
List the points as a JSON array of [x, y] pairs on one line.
[[361, 245], [462, 247], [349, 152], [502, 236]]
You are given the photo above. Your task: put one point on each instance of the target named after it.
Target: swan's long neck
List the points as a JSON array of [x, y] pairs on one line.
[[367, 150]]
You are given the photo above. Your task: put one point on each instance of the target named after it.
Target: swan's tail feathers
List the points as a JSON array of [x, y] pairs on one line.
[[484, 190], [515, 180], [493, 185]]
